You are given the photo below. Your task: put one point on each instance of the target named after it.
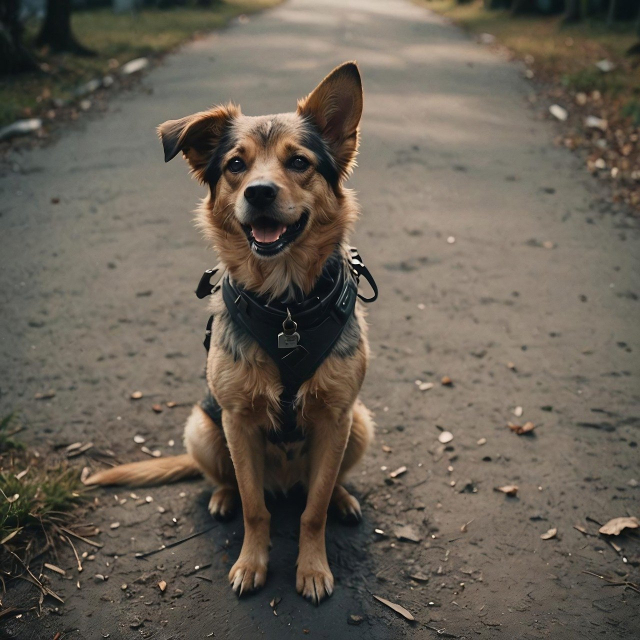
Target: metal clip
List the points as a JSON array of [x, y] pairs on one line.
[[289, 338]]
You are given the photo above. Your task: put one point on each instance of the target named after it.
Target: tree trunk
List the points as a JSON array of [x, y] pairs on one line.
[[56, 30], [611, 16], [573, 12], [14, 56]]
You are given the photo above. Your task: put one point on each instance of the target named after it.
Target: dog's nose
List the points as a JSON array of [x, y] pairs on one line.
[[261, 195]]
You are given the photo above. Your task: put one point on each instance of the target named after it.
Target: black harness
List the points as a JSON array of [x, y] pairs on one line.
[[298, 336]]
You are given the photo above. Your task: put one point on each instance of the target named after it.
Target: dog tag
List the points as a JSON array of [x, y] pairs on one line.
[[289, 337]]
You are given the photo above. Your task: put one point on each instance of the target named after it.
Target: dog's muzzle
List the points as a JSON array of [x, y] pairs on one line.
[[268, 237]]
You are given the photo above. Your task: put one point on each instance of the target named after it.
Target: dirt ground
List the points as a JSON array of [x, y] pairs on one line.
[[489, 248]]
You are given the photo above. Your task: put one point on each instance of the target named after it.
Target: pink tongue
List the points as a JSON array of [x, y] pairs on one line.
[[265, 235]]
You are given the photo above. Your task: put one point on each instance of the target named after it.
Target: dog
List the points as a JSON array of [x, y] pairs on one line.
[[278, 216]]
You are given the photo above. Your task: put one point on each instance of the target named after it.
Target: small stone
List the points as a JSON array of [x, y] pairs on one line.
[[558, 112], [355, 620], [133, 66], [136, 623]]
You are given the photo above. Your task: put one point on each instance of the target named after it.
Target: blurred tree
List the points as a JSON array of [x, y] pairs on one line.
[[56, 30], [573, 12], [14, 56]]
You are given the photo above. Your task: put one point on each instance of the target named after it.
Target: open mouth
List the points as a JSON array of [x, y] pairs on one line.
[[268, 237]]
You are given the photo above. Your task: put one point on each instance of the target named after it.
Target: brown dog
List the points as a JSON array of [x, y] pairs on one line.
[[278, 217]]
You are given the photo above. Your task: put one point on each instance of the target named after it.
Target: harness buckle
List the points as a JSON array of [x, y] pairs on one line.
[[205, 286], [359, 268]]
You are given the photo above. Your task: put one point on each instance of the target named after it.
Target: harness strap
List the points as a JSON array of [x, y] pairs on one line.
[[321, 319]]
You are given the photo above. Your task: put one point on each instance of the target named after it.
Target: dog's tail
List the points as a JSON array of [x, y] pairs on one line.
[[148, 472]]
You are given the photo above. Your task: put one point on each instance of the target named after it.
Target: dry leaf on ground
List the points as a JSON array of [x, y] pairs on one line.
[[617, 525], [527, 427], [396, 607], [508, 489], [549, 534]]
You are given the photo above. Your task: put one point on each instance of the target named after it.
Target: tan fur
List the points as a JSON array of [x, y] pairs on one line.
[[338, 428]]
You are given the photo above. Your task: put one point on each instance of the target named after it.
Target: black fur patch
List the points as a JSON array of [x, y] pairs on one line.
[[215, 168], [312, 140]]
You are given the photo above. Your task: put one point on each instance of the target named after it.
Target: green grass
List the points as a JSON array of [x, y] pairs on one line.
[[7, 431], [45, 496], [563, 54], [116, 39], [35, 502]]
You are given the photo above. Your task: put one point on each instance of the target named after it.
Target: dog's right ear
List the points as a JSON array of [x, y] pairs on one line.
[[197, 136]]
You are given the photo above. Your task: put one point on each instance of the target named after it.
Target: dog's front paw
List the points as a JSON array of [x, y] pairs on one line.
[[315, 583], [247, 575]]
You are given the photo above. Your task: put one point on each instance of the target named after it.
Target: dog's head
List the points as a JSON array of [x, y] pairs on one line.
[[276, 207]]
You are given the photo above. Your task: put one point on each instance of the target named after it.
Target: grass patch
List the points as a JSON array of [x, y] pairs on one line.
[[116, 39], [561, 53], [39, 505]]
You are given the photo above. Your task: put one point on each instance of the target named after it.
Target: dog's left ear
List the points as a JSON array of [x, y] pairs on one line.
[[335, 107], [197, 136]]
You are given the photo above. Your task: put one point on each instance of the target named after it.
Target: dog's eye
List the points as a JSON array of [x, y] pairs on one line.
[[236, 165], [298, 163]]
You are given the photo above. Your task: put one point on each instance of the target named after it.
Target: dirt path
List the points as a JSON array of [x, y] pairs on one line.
[[96, 298]]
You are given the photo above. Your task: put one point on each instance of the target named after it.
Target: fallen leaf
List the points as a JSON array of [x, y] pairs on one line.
[[521, 429], [418, 576], [162, 585], [581, 529], [407, 534], [425, 386], [114, 525], [46, 395], [171, 404], [617, 525], [482, 441], [508, 489], [136, 395], [13, 498], [549, 534], [398, 472], [446, 381], [396, 607], [463, 528], [445, 437]]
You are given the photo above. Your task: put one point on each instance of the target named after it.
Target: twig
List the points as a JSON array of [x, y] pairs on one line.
[[615, 583], [75, 553], [75, 535], [146, 554]]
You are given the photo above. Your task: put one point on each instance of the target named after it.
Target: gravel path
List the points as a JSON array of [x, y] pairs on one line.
[[488, 250]]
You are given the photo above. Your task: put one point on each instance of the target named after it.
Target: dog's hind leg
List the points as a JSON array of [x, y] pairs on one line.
[[346, 505], [205, 442]]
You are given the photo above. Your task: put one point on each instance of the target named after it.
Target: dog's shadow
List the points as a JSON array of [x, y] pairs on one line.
[[346, 542]]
